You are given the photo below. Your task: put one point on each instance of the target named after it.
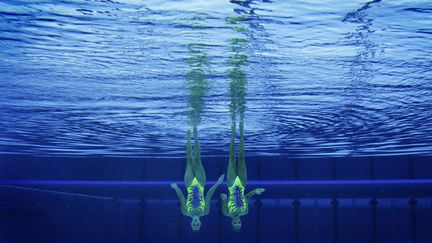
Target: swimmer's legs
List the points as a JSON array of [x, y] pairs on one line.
[[198, 167], [232, 171], [189, 173], [241, 167]]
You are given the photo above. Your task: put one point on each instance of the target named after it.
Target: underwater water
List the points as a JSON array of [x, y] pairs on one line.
[[96, 97]]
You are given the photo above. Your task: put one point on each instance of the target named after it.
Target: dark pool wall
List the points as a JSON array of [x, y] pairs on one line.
[[39, 216], [141, 213], [259, 168]]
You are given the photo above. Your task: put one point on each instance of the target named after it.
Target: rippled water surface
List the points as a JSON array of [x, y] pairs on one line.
[[320, 78]]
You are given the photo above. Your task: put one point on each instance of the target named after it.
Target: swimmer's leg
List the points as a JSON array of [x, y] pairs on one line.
[[198, 167], [241, 169], [232, 170], [189, 173]]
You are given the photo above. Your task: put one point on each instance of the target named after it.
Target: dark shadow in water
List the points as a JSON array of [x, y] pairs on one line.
[[357, 16], [247, 6]]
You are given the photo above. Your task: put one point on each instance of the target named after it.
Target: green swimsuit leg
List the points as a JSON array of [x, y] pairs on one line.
[[241, 167], [198, 167], [189, 173], [232, 168]]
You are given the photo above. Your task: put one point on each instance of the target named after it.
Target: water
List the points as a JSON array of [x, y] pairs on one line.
[[323, 79], [96, 97]]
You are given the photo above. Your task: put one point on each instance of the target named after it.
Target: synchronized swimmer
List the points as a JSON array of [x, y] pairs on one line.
[[237, 204], [195, 205]]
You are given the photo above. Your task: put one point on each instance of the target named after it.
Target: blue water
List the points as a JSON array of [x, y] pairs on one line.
[[109, 78], [96, 97]]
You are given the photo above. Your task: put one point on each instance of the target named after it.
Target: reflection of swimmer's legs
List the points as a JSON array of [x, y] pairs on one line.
[[241, 169], [189, 173], [232, 170], [198, 167]]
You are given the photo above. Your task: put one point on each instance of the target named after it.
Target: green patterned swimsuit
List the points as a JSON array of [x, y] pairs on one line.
[[195, 202], [237, 204]]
